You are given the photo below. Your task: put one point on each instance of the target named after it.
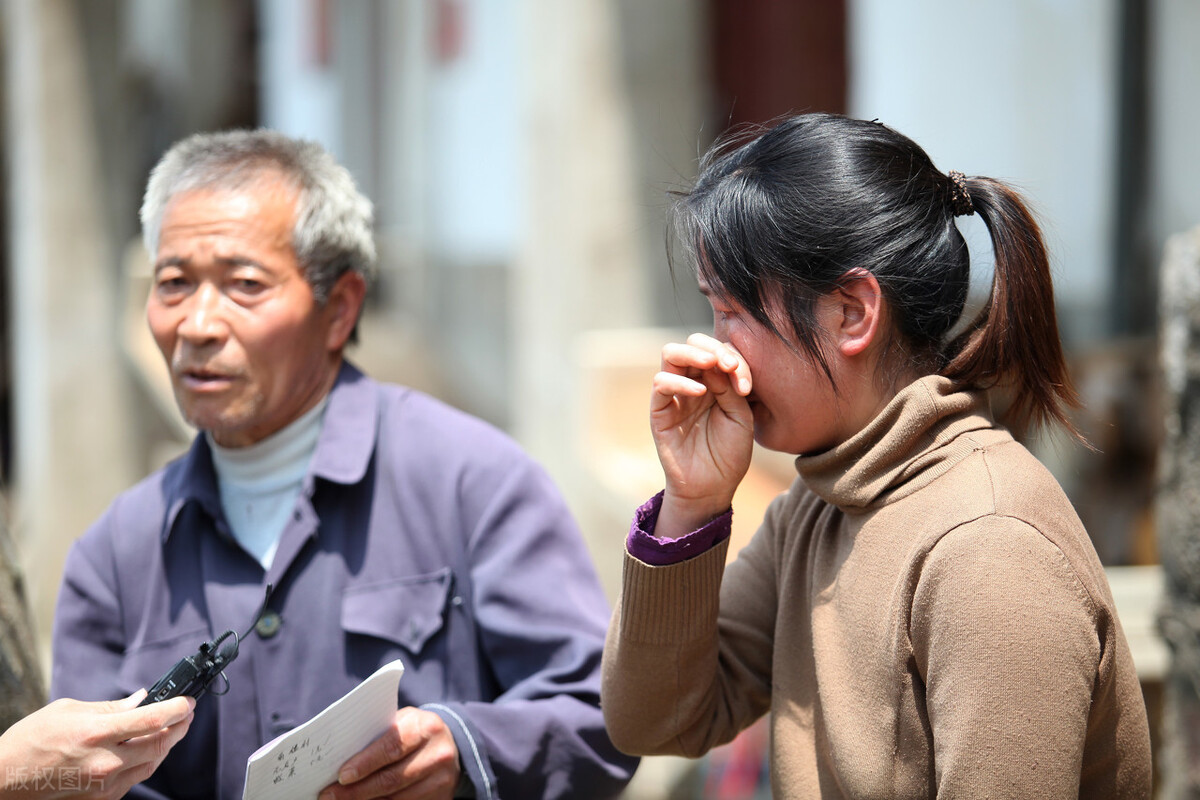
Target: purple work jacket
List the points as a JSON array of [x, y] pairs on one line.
[[421, 533]]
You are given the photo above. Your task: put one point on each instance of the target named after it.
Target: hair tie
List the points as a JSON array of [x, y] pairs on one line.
[[960, 198]]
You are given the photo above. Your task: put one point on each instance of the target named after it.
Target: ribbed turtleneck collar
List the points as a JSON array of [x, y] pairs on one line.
[[280, 458], [918, 436]]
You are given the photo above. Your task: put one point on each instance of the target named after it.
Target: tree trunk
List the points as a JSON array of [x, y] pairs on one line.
[[21, 690], [1179, 514]]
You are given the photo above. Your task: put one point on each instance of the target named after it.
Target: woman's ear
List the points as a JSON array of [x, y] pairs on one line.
[[861, 312], [344, 303]]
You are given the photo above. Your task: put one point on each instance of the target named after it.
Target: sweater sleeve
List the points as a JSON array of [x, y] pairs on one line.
[[687, 662], [1005, 636], [643, 545]]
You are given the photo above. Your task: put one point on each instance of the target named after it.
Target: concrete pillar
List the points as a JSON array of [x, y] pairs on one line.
[[71, 444], [1178, 514], [578, 267]]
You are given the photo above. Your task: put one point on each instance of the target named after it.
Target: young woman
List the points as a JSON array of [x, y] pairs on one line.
[[922, 612]]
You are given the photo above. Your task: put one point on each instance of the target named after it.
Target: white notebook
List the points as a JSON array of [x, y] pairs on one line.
[[300, 763]]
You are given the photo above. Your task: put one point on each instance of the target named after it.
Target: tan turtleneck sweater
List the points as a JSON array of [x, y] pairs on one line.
[[922, 613]]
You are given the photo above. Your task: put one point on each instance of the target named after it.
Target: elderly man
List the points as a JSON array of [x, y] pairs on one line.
[[389, 525]]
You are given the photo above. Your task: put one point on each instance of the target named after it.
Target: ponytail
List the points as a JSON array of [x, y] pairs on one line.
[[1013, 343]]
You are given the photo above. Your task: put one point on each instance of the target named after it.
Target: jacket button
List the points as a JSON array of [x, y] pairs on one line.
[[268, 624]]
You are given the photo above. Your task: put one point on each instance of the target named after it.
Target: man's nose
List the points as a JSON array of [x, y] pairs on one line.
[[203, 321]]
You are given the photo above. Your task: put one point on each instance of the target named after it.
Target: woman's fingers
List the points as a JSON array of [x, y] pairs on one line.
[[702, 365], [683, 358], [670, 384], [724, 357], [729, 361]]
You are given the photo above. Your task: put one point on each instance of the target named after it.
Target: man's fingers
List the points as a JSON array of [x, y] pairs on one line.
[[383, 782], [418, 747], [387, 748], [418, 775], [434, 785]]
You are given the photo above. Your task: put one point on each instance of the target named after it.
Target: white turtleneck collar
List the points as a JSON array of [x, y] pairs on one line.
[[259, 483]]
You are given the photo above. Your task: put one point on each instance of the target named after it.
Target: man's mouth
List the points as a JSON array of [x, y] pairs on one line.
[[204, 378]]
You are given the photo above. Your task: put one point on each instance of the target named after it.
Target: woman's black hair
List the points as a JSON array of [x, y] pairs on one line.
[[790, 212]]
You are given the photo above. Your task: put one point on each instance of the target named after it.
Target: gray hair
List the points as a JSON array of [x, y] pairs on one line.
[[333, 229]]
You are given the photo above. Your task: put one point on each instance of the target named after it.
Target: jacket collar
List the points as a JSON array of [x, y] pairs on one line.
[[342, 456]]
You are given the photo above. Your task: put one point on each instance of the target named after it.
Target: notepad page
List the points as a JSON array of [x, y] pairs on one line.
[[303, 761]]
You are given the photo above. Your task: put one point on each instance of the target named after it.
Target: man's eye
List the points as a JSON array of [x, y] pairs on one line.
[[171, 285], [247, 286]]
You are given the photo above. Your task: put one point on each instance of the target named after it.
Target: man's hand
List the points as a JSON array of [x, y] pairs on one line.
[[415, 758], [97, 750]]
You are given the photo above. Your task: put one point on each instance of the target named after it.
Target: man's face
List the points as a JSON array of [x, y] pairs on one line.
[[248, 347]]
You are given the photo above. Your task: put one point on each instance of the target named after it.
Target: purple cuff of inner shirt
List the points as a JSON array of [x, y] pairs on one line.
[[643, 546]]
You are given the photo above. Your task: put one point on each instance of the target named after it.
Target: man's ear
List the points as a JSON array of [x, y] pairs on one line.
[[344, 303], [861, 312]]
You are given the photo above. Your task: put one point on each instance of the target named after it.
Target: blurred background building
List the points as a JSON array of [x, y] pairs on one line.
[[520, 154]]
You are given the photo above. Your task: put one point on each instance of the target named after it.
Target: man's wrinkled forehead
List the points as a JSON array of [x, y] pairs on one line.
[[242, 194]]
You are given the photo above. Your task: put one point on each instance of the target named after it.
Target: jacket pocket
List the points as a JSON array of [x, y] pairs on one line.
[[408, 611], [146, 662]]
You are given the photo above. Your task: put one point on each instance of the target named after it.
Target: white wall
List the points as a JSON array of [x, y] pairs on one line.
[[1022, 91], [299, 93], [474, 147], [1175, 118]]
